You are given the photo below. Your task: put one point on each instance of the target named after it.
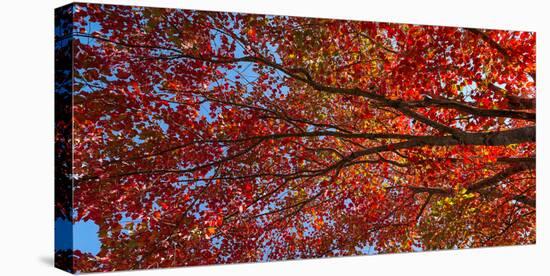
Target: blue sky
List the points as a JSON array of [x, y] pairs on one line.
[[85, 234], [85, 237]]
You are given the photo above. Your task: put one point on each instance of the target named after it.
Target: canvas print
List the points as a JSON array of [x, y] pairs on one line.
[[188, 137]]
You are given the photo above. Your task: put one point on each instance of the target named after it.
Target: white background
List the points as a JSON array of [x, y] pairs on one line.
[[26, 136]]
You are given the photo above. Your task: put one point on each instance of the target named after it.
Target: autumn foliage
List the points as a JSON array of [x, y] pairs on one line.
[[212, 137]]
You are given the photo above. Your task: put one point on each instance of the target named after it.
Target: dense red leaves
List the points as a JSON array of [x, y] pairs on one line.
[[206, 137]]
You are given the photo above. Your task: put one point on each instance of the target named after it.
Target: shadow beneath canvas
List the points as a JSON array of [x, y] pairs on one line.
[[46, 260]]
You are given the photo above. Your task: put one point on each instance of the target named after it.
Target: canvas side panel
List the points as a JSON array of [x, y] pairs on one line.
[[63, 138]]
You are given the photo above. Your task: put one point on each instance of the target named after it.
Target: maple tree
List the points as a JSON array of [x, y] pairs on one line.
[[211, 137]]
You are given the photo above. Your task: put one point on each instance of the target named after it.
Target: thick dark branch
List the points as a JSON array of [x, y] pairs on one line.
[[506, 137], [424, 206], [516, 160], [526, 200], [431, 190], [490, 41], [466, 108], [494, 180], [515, 102], [293, 72], [497, 138], [301, 75]]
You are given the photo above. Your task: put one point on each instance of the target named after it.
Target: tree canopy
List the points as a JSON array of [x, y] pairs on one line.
[[213, 137]]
